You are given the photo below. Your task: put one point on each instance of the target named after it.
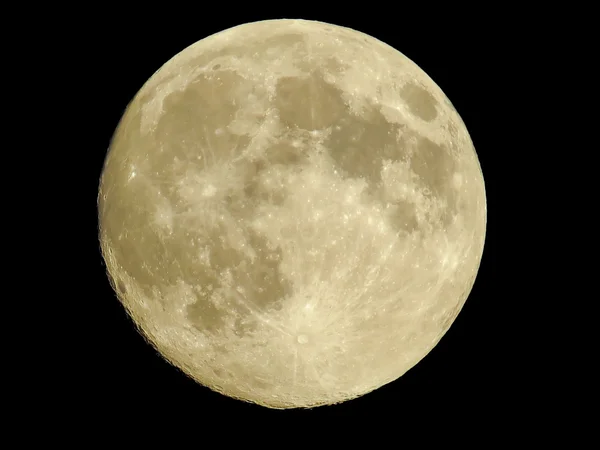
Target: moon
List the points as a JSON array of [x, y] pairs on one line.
[[292, 213]]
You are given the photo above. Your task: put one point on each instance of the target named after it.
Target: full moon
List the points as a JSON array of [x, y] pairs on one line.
[[292, 213]]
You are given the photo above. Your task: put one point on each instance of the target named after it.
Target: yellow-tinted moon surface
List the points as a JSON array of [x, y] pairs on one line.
[[292, 212]]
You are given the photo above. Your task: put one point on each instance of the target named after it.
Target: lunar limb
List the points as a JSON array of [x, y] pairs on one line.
[[292, 212]]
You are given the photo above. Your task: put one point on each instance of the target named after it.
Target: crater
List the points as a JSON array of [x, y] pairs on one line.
[[420, 102], [121, 287], [285, 154], [287, 40], [334, 66], [308, 102], [233, 50], [449, 316]]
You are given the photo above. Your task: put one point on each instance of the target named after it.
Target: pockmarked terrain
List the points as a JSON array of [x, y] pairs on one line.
[[292, 212]]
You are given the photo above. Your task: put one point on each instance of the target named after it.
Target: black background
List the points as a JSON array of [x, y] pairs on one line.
[[119, 379]]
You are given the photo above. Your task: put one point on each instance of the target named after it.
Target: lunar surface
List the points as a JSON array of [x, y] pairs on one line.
[[292, 213]]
